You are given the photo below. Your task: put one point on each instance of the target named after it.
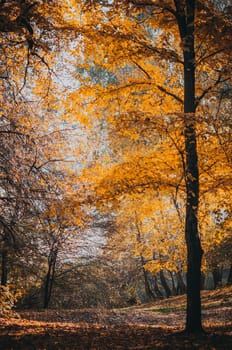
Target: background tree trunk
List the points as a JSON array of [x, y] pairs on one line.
[[229, 280], [181, 287], [148, 290], [4, 268], [174, 289], [156, 287], [49, 281], [165, 284], [217, 276], [202, 281]]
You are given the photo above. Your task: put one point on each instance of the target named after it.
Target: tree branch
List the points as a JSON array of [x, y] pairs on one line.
[[161, 88], [177, 98], [217, 82], [213, 54], [152, 4], [142, 69]]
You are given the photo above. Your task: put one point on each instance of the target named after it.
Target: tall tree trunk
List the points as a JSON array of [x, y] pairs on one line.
[[229, 280], [156, 287], [4, 268], [47, 288], [148, 289], [217, 276], [165, 284], [4, 258], [185, 17], [180, 282], [203, 279], [149, 292], [49, 281], [174, 290]]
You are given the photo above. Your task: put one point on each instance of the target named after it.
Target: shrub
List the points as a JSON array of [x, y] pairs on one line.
[[7, 300]]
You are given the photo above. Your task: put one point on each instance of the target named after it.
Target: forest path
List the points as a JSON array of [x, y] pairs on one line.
[[152, 326]]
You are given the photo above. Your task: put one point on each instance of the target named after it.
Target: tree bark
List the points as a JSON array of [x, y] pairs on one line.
[[185, 18], [229, 280], [156, 288], [174, 289], [180, 282], [4, 268], [165, 284], [203, 279], [217, 276], [149, 292], [148, 289], [49, 281]]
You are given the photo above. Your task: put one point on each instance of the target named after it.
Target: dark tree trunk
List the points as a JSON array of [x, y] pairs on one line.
[[149, 292], [180, 282], [174, 289], [185, 18], [47, 288], [202, 281], [229, 280], [165, 284], [4, 258], [49, 281], [156, 287], [217, 276], [4, 268]]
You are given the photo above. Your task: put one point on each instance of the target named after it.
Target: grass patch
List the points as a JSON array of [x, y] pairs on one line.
[[167, 310]]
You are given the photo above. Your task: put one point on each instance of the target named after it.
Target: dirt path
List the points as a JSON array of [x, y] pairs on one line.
[[163, 317]]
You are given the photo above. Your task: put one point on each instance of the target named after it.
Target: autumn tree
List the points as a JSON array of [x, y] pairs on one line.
[[177, 70], [31, 137]]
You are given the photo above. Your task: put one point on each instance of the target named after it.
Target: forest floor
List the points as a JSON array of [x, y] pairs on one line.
[[156, 325]]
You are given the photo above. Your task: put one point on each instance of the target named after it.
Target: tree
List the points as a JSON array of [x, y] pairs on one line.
[[29, 178], [185, 18], [60, 223], [134, 33], [25, 186]]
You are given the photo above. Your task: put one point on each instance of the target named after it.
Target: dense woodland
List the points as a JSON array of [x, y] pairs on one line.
[[115, 153]]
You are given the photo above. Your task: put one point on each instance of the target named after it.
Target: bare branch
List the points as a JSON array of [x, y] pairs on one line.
[[142, 69], [152, 4], [213, 54], [217, 82], [177, 98]]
